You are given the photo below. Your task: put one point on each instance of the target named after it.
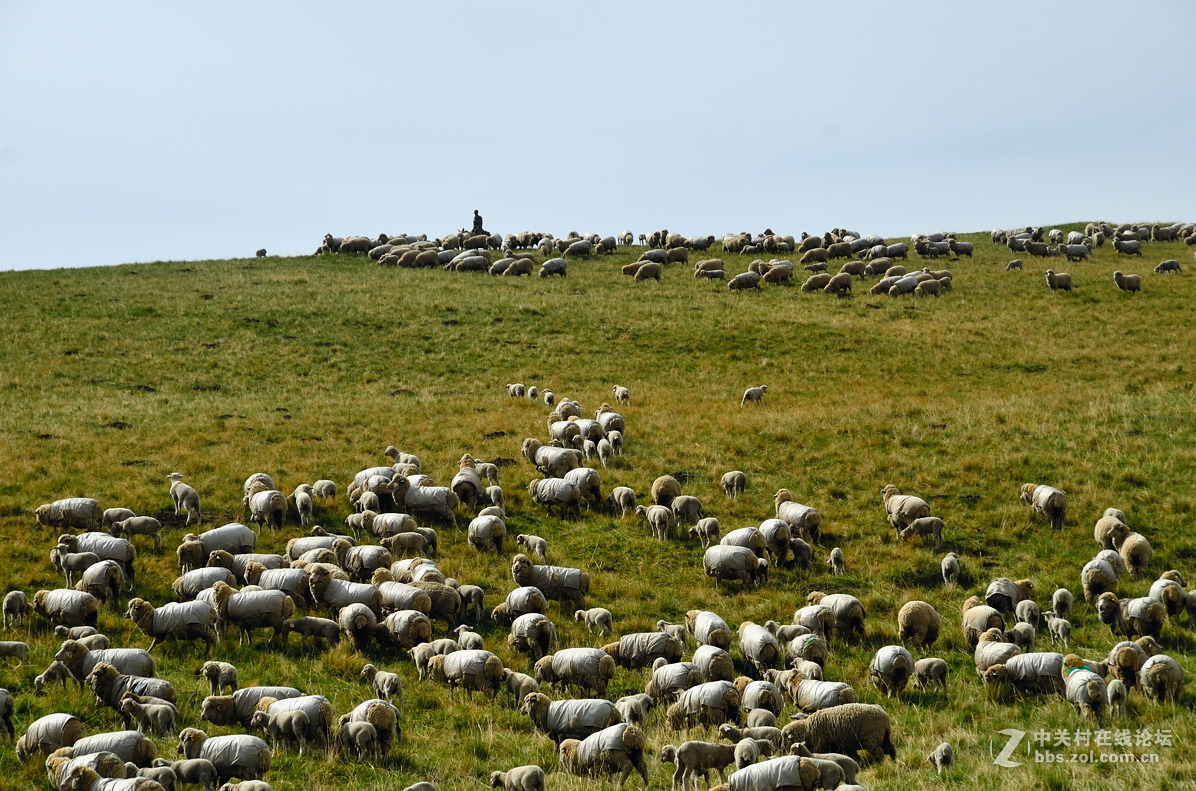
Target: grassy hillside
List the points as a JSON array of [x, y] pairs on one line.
[[307, 368]]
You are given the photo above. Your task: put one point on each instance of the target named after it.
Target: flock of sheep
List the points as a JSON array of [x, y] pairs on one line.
[[377, 584]]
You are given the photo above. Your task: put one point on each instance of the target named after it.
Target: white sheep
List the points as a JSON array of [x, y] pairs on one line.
[[836, 562], [324, 489], [158, 718], [615, 438], [604, 450], [16, 608], [1059, 628], [534, 545], [304, 503], [1058, 281], [1046, 501], [950, 568], [220, 676], [929, 672], [706, 530], [942, 758], [658, 518], [733, 483], [598, 618], [622, 395], [748, 751], [754, 394], [1130, 283], [184, 497], [286, 727], [925, 526], [521, 778], [387, 685], [1061, 602], [622, 498], [1117, 694]]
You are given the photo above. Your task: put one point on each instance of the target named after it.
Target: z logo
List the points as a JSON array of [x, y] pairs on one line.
[[1015, 738]]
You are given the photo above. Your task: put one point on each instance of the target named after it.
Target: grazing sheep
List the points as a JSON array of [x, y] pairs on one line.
[[518, 685], [891, 668], [686, 509], [81, 660], [977, 618], [1061, 602], [46, 734], [1130, 283], [1131, 617], [1135, 550], [472, 671], [733, 483], [569, 719], [14, 649], [252, 609], [641, 649], [220, 676], [521, 778], [754, 395], [711, 703], [55, 671], [309, 626], [943, 757], [1170, 265], [1028, 672], [324, 489], [848, 610], [1085, 691], [554, 582], [724, 563], [243, 756], [748, 751], [810, 694], [744, 281], [950, 569], [191, 620], [1014, 264], [139, 526], [708, 628], [903, 509], [1118, 695], [918, 623], [598, 618], [848, 729], [1058, 281], [836, 562], [157, 718], [925, 526], [285, 727], [929, 672], [359, 736], [1162, 679], [16, 608], [623, 499], [617, 750]]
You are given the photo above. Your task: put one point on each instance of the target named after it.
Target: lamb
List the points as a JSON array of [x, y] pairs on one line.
[[1058, 281], [1162, 679], [468, 639], [617, 750], [658, 518], [1014, 264], [286, 727], [903, 509], [518, 685], [81, 513], [308, 626], [1135, 550], [706, 530], [847, 767], [695, 759], [243, 756], [158, 718], [733, 483], [754, 395], [1028, 612], [71, 563], [139, 526], [598, 618], [891, 668], [928, 672], [622, 395], [192, 620], [198, 771], [324, 489], [622, 498], [836, 562], [1061, 602], [918, 623], [748, 751], [16, 608], [569, 719], [848, 729], [220, 676], [304, 502], [1118, 695], [1170, 265], [927, 525], [633, 709], [1143, 616], [1059, 628], [55, 671], [943, 757], [555, 582], [521, 778], [711, 703], [950, 569]]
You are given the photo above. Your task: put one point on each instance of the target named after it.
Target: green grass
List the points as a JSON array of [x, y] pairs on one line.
[[307, 368]]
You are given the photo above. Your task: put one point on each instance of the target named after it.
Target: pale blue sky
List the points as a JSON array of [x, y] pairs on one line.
[[142, 131]]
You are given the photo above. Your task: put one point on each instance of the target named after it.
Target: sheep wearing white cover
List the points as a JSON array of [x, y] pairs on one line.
[[708, 628], [891, 669], [1040, 672], [81, 513], [1162, 679], [991, 652], [578, 669], [267, 507], [532, 634], [1169, 590], [977, 617], [1097, 577], [555, 582], [1131, 617], [758, 646], [617, 750], [1003, 594], [247, 757], [1046, 501], [554, 462], [695, 759], [336, 593], [527, 598], [569, 719], [848, 729], [46, 734], [191, 620], [105, 547], [472, 671], [711, 703], [1086, 692], [670, 679], [714, 663], [251, 609], [641, 649], [67, 607], [110, 687], [903, 509], [849, 613], [81, 660]]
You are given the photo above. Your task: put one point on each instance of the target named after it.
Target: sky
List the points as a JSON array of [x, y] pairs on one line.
[[150, 131]]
